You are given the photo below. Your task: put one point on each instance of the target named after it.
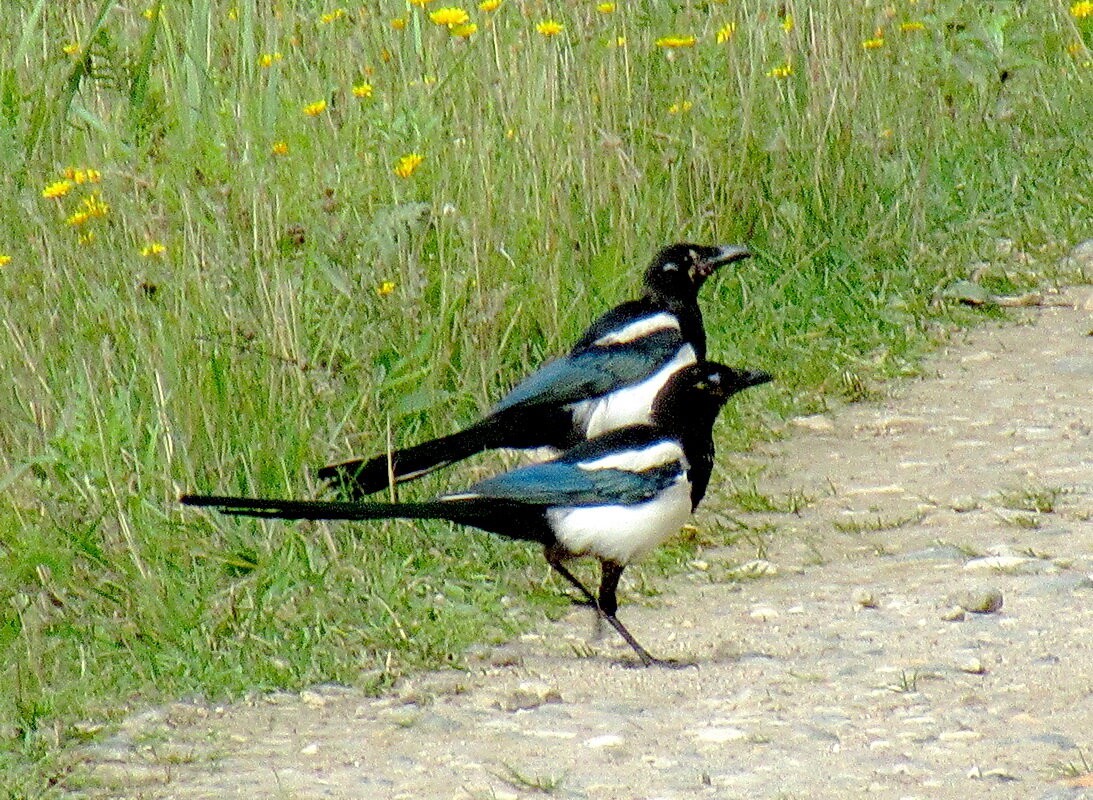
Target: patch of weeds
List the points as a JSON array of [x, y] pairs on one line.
[[1070, 769], [876, 523], [1039, 499], [750, 499], [1024, 521], [907, 683], [546, 784]]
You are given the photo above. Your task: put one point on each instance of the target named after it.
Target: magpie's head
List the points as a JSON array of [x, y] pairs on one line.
[[679, 270], [694, 395]]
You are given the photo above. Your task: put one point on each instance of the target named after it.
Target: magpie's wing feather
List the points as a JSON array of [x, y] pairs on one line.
[[558, 483], [595, 371]]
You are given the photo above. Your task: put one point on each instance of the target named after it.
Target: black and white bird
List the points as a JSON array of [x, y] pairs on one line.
[[607, 381], [614, 497]]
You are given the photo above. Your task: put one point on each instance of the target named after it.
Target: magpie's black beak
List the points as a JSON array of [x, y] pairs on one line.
[[756, 377], [726, 254]]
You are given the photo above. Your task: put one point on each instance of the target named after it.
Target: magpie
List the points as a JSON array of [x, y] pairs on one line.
[[614, 497], [607, 381]]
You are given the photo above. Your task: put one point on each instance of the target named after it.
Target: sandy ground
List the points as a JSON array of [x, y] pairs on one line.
[[912, 632]]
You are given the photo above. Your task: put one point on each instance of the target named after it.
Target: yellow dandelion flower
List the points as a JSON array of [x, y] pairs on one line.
[[57, 189], [88, 176], [408, 164], [315, 109], [464, 30], [679, 108], [4, 259], [269, 59], [1082, 9], [787, 23], [725, 32], [875, 43], [385, 55], [331, 16], [450, 16], [549, 27], [233, 13], [87, 237], [783, 71], [606, 8], [149, 13], [71, 49], [78, 218], [385, 288], [362, 90], [676, 41], [886, 133], [910, 27], [620, 41], [95, 206], [489, 5], [153, 249], [398, 23], [421, 3], [279, 148], [1075, 48]]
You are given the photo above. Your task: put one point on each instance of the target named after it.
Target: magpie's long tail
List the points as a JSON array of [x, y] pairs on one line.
[[511, 519], [361, 477]]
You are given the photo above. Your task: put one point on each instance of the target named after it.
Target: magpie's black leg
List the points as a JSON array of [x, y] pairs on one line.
[[555, 556], [609, 604]]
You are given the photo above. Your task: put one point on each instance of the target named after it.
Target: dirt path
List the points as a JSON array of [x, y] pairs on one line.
[[848, 668]]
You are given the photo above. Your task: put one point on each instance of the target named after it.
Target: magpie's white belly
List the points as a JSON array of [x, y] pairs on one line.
[[632, 405], [623, 533]]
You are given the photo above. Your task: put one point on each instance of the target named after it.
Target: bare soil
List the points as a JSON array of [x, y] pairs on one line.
[[868, 652]]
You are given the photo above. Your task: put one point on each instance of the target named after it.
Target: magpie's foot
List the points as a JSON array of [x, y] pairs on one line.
[[666, 663]]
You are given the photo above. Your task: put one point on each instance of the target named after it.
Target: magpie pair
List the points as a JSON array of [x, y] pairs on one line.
[[615, 496], [607, 381]]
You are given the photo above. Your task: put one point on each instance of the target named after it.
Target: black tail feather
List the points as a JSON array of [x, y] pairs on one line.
[[511, 519], [361, 477]]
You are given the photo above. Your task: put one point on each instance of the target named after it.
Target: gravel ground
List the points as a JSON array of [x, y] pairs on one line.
[[912, 633]]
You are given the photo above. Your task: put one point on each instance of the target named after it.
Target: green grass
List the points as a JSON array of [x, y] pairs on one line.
[[263, 342]]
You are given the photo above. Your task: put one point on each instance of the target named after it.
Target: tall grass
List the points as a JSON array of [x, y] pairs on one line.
[[309, 303]]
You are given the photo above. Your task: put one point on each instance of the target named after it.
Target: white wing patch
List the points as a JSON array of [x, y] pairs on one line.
[[632, 405], [639, 328], [638, 460], [623, 533]]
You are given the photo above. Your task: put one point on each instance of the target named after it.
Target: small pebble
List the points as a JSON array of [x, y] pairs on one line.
[[972, 665], [763, 613], [953, 614], [817, 423], [606, 740], [987, 601], [999, 563], [865, 598]]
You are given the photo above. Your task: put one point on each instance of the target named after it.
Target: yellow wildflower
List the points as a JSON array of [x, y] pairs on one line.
[[1082, 9], [676, 41], [679, 108], [315, 109], [783, 71], [4, 259], [71, 49], [233, 13], [330, 16], [549, 27], [725, 32], [398, 23], [87, 237], [95, 206], [1075, 48], [449, 16], [152, 249], [408, 164], [78, 218], [875, 43], [606, 8], [909, 27], [464, 30], [279, 148], [362, 90], [787, 23], [57, 189], [421, 3], [385, 288], [620, 41], [489, 5], [268, 59]]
